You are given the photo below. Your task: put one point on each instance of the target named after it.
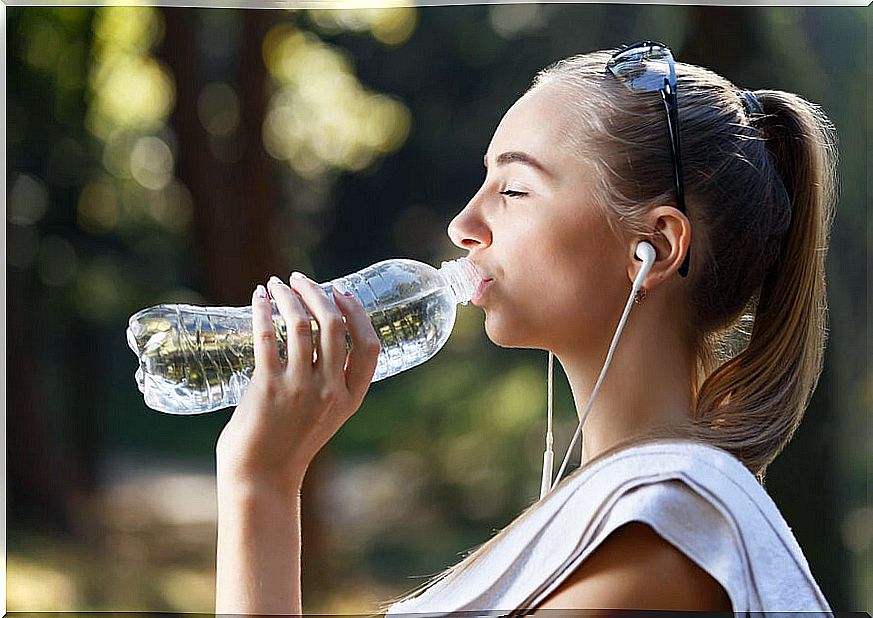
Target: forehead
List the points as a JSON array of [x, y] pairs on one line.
[[538, 123]]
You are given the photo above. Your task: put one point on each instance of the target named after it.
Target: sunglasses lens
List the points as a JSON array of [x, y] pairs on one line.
[[642, 68]]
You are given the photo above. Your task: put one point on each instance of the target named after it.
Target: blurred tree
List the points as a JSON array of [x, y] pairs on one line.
[[39, 492], [234, 199], [53, 454]]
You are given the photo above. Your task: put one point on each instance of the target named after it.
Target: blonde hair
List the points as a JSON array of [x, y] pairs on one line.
[[760, 192]]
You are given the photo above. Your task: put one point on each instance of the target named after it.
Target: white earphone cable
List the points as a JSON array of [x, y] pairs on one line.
[[548, 454], [648, 259]]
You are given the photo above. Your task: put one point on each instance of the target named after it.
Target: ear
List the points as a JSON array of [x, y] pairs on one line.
[[671, 238]]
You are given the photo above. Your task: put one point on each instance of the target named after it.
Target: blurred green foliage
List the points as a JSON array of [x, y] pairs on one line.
[[377, 120]]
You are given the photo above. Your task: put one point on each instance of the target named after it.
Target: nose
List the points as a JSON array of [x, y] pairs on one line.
[[468, 229]]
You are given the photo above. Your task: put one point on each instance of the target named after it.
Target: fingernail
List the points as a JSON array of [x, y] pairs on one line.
[[297, 275], [261, 291], [275, 279]]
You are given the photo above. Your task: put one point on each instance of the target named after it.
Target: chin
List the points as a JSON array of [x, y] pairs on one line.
[[508, 335]]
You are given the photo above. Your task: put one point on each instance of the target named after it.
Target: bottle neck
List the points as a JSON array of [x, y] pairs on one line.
[[462, 277]]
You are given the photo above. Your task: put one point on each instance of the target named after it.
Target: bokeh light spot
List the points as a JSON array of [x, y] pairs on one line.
[[130, 91], [218, 109], [98, 208], [43, 45], [34, 587], [857, 529], [395, 26], [129, 28], [321, 117], [513, 403], [97, 295], [151, 163], [172, 207], [28, 200], [388, 22], [512, 20], [116, 153], [182, 588]]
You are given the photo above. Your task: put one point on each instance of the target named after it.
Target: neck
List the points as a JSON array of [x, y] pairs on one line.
[[647, 384]]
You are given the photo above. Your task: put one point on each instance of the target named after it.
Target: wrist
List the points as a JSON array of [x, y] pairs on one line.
[[250, 484]]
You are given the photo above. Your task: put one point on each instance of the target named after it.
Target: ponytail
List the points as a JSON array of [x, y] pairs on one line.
[[753, 404]]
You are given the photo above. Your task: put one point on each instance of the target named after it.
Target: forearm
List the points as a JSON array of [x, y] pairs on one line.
[[258, 552]]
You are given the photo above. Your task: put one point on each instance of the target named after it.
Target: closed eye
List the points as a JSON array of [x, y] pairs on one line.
[[511, 193]]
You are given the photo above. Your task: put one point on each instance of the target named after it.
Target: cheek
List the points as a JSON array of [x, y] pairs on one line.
[[576, 257], [582, 272]]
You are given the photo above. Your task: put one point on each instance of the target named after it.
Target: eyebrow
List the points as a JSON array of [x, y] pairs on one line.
[[516, 156]]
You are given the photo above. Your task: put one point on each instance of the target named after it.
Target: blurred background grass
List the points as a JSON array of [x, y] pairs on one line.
[[184, 155]]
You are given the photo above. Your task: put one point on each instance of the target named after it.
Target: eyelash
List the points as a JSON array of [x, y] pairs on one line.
[[510, 193]]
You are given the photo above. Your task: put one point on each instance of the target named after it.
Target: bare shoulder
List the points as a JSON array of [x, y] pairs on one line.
[[635, 568]]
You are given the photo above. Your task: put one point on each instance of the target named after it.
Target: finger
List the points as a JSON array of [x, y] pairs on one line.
[[366, 348], [298, 327], [331, 330], [263, 335]]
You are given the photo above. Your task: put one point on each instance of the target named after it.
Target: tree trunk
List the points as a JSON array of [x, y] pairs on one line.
[[39, 487], [234, 201]]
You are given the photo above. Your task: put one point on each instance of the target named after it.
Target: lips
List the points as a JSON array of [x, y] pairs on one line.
[[480, 291], [484, 280]]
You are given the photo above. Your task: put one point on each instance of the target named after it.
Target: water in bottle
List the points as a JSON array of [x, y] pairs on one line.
[[200, 359]]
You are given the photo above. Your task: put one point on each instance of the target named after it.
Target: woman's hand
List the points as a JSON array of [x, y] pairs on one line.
[[289, 411]]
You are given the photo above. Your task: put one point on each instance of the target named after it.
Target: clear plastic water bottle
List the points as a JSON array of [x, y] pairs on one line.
[[200, 359]]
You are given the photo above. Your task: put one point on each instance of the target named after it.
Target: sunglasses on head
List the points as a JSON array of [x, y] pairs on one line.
[[648, 66]]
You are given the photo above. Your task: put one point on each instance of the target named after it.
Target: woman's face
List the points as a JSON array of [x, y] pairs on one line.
[[559, 274]]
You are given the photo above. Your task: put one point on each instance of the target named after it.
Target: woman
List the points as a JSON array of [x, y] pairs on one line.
[[668, 509]]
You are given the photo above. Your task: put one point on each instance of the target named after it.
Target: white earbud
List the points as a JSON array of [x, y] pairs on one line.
[[645, 252]]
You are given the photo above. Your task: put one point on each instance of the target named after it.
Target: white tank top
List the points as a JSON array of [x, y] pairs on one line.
[[699, 498]]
